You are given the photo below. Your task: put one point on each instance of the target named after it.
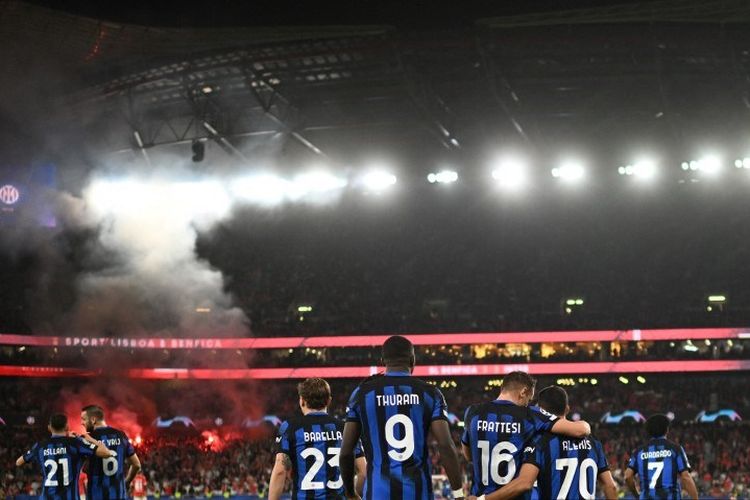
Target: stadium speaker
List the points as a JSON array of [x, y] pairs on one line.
[[199, 151]]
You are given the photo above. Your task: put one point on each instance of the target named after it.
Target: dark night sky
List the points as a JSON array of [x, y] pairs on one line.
[[400, 13]]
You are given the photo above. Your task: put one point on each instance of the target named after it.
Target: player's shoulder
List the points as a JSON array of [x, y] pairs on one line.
[[368, 384], [42, 443], [546, 440], [637, 450], [422, 385], [293, 422]]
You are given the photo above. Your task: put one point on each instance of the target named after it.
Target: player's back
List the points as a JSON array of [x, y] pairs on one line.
[[313, 444], [496, 432], [60, 459], [107, 475], [568, 467], [395, 412], [659, 464]]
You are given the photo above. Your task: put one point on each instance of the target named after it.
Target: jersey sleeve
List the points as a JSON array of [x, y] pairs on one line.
[[439, 406], [601, 457], [129, 450], [30, 455], [358, 451], [533, 453], [84, 448], [352, 407], [632, 462], [542, 420], [467, 426], [683, 464], [282, 440]]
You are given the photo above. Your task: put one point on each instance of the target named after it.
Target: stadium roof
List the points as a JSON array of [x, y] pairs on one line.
[[667, 74]]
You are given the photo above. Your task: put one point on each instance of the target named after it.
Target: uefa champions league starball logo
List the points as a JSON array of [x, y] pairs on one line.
[[9, 194]]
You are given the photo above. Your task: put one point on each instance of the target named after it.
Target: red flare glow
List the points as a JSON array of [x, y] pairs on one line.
[[212, 440]]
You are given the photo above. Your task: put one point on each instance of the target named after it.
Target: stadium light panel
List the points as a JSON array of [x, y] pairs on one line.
[[643, 169], [304, 309], [510, 173], [316, 182], [709, 164], [624, 380], [443, 177], [569, 172], [717, 299], [378, 180], [261, 189], [641, 379]]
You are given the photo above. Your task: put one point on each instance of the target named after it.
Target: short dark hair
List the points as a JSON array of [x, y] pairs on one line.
[[657, 425], [58, 422], [398, 350], [316, 392], [554, 399], [94, 411], [515, 381]]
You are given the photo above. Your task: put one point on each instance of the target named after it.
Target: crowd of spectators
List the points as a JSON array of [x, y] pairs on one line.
[[240, 463], [453, 355], [454, 264]]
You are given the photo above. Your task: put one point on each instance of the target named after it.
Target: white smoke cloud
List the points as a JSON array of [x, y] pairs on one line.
[[157, 282]]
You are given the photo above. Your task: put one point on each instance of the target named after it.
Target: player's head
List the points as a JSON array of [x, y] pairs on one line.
[[657, 425], [58, 423], [554, 400], [91, 415], [518, 387], [314, 394], [398, 352]]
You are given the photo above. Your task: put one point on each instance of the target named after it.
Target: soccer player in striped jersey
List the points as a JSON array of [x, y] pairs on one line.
[[60, 459], [107, 479], [562, 467], [660, 464], [496, 432], [393, 413], [309, 447]]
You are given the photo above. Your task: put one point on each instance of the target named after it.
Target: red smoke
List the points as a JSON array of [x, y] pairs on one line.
[[126, 407]]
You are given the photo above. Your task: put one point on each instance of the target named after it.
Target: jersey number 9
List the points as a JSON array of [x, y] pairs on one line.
[[404, 447]]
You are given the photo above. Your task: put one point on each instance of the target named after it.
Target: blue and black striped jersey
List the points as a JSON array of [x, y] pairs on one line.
[[60, 459], [568, 468], [107, 475], [496, 432], [659, 464], [395, 411], [313, 444]]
